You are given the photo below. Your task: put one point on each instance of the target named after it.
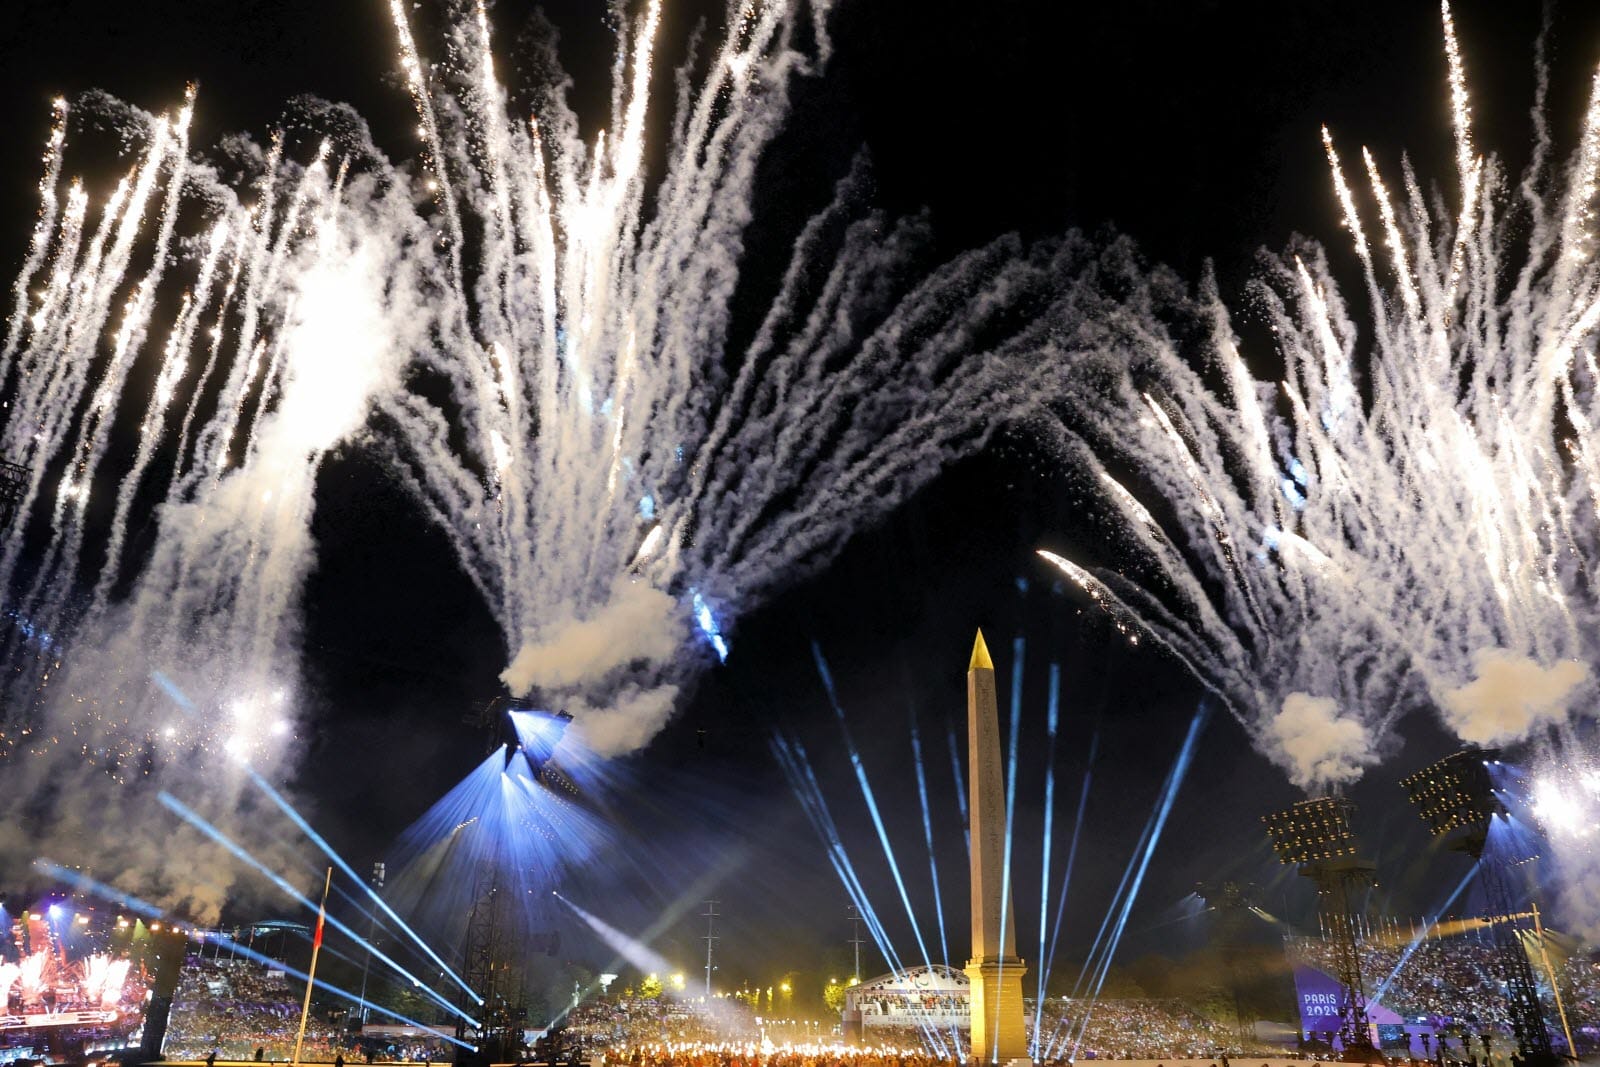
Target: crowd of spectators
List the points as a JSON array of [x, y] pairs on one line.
[[698, 1054], [656, 1032], [1118, 1029], [236, 1007], [1453, 983], [659, 1022], [1134, 1029]]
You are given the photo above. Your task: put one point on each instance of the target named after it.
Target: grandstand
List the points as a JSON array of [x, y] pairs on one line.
[[634, 1021], [234, 1006], [1448, 983]]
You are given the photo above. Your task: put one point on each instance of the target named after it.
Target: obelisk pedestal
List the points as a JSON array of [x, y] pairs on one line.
[[999, 1034]]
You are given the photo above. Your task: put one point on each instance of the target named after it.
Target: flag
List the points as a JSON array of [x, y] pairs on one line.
[[322, 913]]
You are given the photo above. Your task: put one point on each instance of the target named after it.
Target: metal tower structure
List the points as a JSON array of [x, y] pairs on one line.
[[481, 962], [855, 941], [1456, 798], [710, 916], [379, 873], [1317, 837]]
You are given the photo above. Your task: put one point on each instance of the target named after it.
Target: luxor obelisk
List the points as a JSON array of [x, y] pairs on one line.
[[998, 1032]]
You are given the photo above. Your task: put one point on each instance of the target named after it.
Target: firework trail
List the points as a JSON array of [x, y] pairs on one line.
[[534, 328], [238, 342], [1405, 515], [611, 475]]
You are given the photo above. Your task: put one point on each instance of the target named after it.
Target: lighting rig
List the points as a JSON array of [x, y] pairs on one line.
[[1456, 797], [486, 955], [1316, 836]]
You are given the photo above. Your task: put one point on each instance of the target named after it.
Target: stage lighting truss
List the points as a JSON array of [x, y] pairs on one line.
[[519, 726], [1313, 831], [1456, 793]]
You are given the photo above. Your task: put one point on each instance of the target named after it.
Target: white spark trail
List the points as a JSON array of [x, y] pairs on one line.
[[1404, 526], [547, 335], [608, 471]]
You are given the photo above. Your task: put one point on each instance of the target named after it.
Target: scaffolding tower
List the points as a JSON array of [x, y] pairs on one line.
[[1317, 837], [1233, 905]]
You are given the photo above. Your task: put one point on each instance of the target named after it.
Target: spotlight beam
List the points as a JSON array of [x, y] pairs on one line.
[[183, 811], [797, 768], [872, 802], [1427, 928], [1066, 881], [1174, 782], [1052, 719], [1072, 849], [927, 833], [113, 895], [961, 785], [1090, 962], [327, 850]]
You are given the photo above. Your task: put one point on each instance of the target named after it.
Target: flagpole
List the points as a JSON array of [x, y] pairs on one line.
[[311, 974]]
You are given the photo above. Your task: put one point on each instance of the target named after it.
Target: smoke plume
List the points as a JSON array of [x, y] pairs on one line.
[[1319, 746], [1511, 697]]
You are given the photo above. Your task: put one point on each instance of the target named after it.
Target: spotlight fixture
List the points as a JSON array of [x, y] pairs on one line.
[[1457, 792], [1313, 831]]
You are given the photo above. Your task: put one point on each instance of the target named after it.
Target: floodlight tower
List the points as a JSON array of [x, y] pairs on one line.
[[1316, 836], [1455, 796]]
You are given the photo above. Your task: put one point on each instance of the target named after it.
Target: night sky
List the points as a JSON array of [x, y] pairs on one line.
[[1192, 127]]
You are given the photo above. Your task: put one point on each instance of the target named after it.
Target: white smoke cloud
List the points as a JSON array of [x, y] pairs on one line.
[[638, 622], [1318, 745], [574, 661], [626, 722], [1511, 697]]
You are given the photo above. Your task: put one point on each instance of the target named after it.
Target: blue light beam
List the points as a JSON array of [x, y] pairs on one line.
[[112, 895], [872, 802], [927, 834], [327, 850], [1052, 720], [1174, 782], [1072, 852], [1427, 927], [797, 768], [183, 811], [961, 787]]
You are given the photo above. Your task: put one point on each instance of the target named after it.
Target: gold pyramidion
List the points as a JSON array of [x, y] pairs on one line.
[[980, 656]]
